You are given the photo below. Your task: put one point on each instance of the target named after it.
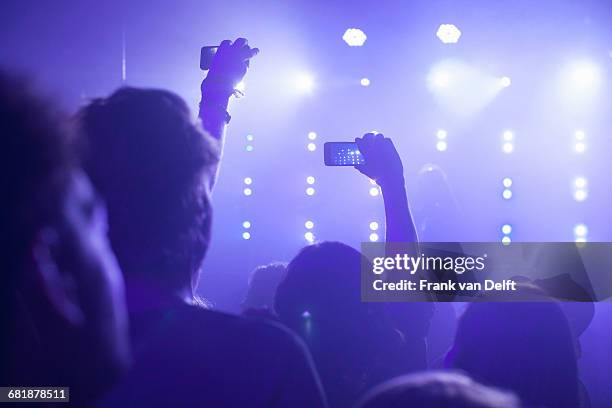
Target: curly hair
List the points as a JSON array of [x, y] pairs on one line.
[[150, 162]]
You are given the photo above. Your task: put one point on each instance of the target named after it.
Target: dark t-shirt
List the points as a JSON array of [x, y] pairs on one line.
[[187, 356]]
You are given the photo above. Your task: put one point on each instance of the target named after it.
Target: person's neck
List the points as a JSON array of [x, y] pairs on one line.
[[145, 294]]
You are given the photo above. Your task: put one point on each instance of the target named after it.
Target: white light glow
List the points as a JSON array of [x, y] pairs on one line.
[[249, 138], [246, 235], [311, 147], [309, 224], [310, 180], [374, 191], [247, 191], [580, 147], [506, 240], [373, 225], [441, 134], [304, 82], [248, 181], [312, 135], [441, 145], [310, 191], [508, 135], [506, 229], [373, 237], [508, 147], [448, 33], [240, 86], [505, 82], [580, 195], [581, 230], [364, 82], [584, 75], [507, 194], [580, 135], [354, 37], [580, 182], [309, 236], [246, 224], [507, 182]]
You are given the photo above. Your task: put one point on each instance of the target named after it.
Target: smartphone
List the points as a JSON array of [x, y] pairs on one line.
[[342, 154], [207, 54]]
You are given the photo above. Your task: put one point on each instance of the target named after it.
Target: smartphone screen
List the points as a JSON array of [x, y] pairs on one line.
[[206, 56], [342, 154]]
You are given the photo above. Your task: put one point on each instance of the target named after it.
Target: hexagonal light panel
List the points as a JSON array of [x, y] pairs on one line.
[[354, 37], [448, 33]]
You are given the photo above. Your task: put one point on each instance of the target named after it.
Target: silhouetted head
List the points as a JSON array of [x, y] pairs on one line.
[[436, 389], [62, 292], [323, 279], [154, 166], [352, 342], [523, 346], [262, 286]]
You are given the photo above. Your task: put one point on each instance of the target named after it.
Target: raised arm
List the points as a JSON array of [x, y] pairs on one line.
[[383, 164], [228, 68]]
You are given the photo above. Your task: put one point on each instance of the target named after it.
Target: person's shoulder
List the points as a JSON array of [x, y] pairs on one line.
[[209, 323]]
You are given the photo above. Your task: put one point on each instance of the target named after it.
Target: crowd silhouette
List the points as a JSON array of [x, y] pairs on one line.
[[106, 220]]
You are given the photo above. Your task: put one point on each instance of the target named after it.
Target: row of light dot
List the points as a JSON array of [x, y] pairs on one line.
[[311, 146], [247, 190], [580, 187]]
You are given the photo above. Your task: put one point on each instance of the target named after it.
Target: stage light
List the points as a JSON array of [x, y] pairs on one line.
[[507, 182], [508, 147], [506, 229], [580, 147], [246, 235], [249, 138], [309, 224], [246, 224], [248, 181], [441, 134], [240, 86], [373, 237], [374, 191], [441, 145], [506, 240], [312, 135], [580, 182], [310, 191], [580, 230], [309, 236], [439, 78], [249, 148], [505, 82], [310, 180], [507, 194], [580, 135], [311, 147], [304, 82], [364, 82], [247, 191], [508, 136], [448, 33], [373, 225], [354, 37], [580, 195], [584, 75]]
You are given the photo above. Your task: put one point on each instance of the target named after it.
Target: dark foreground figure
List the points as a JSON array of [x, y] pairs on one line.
[[155, 168]]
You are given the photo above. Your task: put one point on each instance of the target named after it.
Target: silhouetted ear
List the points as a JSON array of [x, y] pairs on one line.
[[57, 284]]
